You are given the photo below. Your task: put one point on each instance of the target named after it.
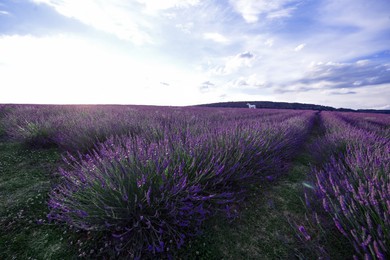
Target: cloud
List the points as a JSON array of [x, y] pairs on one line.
[[2, 12], [234, 63], [153, 6], [269, 42], [250, 10], [348, 75], [282, 13], [385, 107], [251, 82], [246, 55], [216, 37], [186, 28], [206, 86], [342, 91], [117, 18], [365, 97], [356, 14], [300, 47]]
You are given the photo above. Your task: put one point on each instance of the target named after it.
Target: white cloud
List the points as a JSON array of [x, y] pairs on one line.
[[300, 47], [216, 37], [286, 12], [117, 17], [153, 6], [365, 98], [250, 10], [346, 75], [269, 42], [234, 63], [384, 107], [4, 12], [356, 13], [186, 28], [253, 81]]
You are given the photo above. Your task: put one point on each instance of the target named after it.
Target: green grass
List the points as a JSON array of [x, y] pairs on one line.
[[25, 179]]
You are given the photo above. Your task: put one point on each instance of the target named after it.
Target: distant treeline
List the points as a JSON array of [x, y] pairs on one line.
[[285, 105]]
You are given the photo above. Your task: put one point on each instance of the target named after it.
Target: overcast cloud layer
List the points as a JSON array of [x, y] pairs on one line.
[[183, 52]]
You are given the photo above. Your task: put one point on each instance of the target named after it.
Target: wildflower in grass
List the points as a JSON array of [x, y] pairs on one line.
[[304, 232]]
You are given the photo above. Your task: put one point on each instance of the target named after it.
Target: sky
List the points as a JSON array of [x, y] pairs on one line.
[[187, 52]]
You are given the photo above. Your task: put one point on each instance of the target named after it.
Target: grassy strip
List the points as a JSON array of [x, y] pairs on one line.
[[24, 185], [263, 230]]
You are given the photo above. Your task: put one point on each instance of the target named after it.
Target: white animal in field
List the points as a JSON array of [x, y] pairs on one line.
[[250, 106]]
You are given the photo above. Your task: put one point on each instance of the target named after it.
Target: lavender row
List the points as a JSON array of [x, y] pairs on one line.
[[141, 196], [378, 124], [78, 128], [353, 186]]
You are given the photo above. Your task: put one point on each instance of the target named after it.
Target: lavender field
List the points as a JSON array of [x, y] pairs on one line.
[[148, 182]]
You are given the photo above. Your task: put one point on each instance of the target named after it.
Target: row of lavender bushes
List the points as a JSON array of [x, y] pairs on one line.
[[352, 187], [376, 123], [78, 128], [157, 173]]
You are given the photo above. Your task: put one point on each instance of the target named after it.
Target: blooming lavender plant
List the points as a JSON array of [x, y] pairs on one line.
[[132, 190], [354, 186]]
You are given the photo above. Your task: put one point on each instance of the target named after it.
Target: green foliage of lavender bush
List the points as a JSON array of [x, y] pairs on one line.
[[37, 135]]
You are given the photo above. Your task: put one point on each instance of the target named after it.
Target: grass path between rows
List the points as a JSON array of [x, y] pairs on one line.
[[265, 228]]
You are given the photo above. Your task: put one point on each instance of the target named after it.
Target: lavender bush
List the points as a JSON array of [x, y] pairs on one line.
[[130, 189], [354, 185]]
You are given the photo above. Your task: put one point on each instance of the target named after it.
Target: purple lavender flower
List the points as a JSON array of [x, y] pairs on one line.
[[339, 227], [304, 232], [378, 252]]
